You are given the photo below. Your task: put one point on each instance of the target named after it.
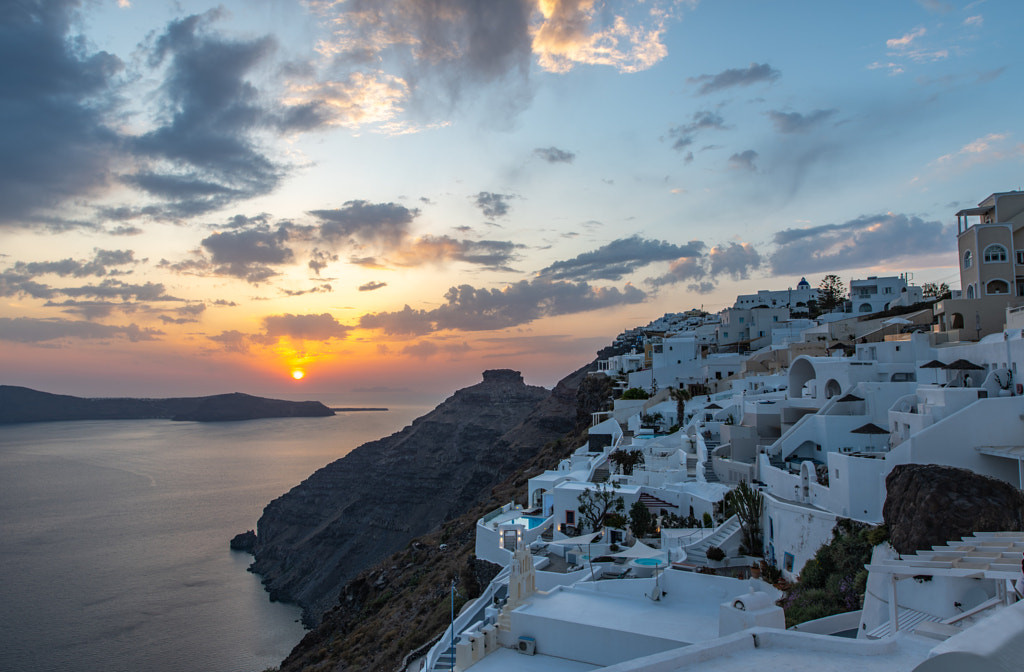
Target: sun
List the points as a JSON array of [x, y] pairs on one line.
[[297, 374]]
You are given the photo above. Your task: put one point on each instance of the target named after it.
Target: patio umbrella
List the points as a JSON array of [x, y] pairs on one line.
[[870, 428], [897, 320], [579, 541], [641, 550], [713, 407], [849, 397], [934, 364], [962, 365]]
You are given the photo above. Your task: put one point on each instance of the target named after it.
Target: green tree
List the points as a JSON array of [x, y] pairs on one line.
[[627, 460], [598, 503], [635, 393], [641, 521], [680, 396], [934, 291], [748, 504], [833, 292]]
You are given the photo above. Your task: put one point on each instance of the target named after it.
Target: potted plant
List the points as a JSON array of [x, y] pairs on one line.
[[715, 554]]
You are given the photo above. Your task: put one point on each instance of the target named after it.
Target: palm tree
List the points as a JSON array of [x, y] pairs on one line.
[[680, 396]]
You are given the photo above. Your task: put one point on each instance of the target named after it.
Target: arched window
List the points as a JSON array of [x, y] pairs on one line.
[[995, 253], [970, 291], [864, 308], [997, 287], [967, 259]]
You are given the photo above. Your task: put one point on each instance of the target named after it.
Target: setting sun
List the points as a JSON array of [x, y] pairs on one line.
[[297, 374]]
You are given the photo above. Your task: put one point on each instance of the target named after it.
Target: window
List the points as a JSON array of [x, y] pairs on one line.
[[967, 259], [970, 291], [888, 290], [570, 517], [994, 254], [997, 287], [775, 318], [1020, 258]]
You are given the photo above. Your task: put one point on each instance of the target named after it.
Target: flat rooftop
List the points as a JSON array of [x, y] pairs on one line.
[[507, 660]]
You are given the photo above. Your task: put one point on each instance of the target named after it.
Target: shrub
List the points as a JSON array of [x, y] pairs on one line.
[[635, 393], [715, 554]]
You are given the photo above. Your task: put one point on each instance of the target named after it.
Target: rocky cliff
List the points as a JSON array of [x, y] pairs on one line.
[[370, 503], [22, 404], [929, 504]]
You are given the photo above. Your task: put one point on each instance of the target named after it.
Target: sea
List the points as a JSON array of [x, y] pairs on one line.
[[114, 539]]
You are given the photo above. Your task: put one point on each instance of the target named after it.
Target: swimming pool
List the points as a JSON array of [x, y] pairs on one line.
[[529, 521], [650, 562]]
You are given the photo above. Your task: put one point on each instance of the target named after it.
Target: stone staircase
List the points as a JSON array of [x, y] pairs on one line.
[[656, 505], [697, 552], [445, 661], [601, 474]]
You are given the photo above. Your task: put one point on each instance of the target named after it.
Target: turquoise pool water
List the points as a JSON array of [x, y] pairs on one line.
[[649, 562], [529, 521]]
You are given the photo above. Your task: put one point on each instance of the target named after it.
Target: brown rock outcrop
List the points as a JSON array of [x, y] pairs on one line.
[[930, 504]]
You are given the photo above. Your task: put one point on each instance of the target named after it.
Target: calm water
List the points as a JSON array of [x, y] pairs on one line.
[[114, 539]]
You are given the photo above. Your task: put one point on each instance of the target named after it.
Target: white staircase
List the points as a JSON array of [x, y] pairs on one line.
[[697, 552]]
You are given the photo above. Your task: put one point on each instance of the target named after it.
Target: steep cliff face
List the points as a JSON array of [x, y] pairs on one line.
[[369, 504], [929, 504]]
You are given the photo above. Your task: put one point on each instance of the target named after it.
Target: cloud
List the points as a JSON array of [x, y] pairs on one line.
[[421, 350], [701, 287], [681, 269], [794, 122], [495, 254], [493, 205], [572, 33], [233, 340], [467, 308], [990, 148], [249, 254], [318, 260], [937, 6], [734, 259], [863, 242], [318, 289], [383, 224], [743, 160], [206, 154], [619, 258], [57, 96], [322, 327], [976, 21], [905, 41], [555, 155], [735, 77], [98, 266], [372, 285], [33, 330], [702, 120]]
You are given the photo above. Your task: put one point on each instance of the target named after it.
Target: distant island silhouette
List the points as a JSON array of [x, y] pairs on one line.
[[23, 404]]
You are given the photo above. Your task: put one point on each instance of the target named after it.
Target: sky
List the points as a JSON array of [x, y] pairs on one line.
[[390, 197]]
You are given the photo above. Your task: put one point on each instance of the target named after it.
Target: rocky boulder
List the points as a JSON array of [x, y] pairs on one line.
[[929, 504]]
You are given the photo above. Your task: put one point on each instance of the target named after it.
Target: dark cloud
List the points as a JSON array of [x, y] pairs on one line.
[[116, 289], [385, 224], [493, 205], [687, 268], [735, 77], [91, 310], [322, 327], [686, 134], [318, 289], [794, 122], [233, 340], [319, 259], [55, 96], [125, 230], [372, 285], [467, 308], [734, 259], [206, 154], [421, 350], [444, 51], [249, 254], [224, 302], [495, 254], [619, 258], [555, 155], [862, 242], [32, 330], [744, 160], [98, 266]]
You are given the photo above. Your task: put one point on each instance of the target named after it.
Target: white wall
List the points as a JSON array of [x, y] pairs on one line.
[[799, 530]]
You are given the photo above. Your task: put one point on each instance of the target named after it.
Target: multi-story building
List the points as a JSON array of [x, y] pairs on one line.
[[794, 299], [875, 294], [992, 249]]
